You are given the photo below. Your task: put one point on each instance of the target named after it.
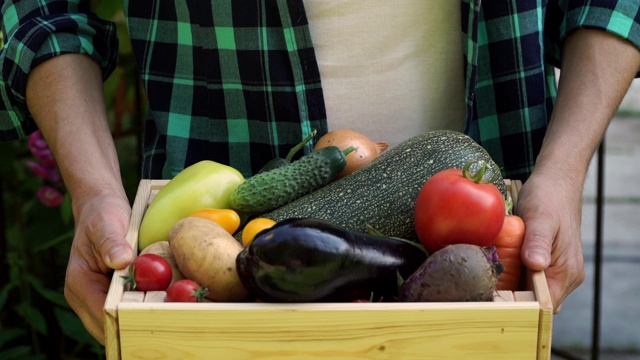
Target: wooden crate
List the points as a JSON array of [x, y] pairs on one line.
[[516, 325]]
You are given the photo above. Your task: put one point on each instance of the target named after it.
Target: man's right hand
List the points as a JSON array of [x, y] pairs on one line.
[[98, 247], [65, 97]]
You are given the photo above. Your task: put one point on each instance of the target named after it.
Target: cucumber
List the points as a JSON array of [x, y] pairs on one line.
[[383, 193], [274, 188], [280, 162]]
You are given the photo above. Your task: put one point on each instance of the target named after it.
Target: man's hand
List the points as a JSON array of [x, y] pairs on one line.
[[64, 95], [597, 69], [99, 245], [551, 208]]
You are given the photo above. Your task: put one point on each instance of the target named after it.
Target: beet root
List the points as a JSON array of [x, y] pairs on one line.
[[459, 272]]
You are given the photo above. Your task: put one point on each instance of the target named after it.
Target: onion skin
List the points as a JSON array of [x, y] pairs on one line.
[[366, 149]]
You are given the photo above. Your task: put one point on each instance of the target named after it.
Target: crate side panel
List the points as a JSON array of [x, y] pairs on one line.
[[500, 333], [538, 282], [116, 287]]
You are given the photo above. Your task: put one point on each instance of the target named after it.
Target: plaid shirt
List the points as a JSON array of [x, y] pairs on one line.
[[237, 82]]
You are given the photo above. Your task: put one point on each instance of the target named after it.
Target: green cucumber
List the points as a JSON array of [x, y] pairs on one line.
[[280, 162], [383, 193], [277, 187]]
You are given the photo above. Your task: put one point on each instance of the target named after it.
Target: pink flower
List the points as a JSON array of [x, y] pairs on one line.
[[39, 148], [46, 157], [48, 173], [36, 141], [49, 196], [47, 168]]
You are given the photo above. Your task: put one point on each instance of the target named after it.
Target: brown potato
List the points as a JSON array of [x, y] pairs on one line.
[[206, 253], [163, 249]]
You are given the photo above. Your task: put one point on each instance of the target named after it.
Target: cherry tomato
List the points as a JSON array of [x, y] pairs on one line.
[[149, 272], [253, 227], [455, 206], [186, 290], [227, 218]]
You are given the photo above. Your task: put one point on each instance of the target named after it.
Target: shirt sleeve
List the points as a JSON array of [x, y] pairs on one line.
[[34, 31], [618, 17]]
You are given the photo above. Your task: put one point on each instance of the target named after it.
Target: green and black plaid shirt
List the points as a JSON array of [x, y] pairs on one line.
[[237, 81]]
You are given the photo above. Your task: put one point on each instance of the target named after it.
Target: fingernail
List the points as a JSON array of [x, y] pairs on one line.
[[538, 255], [118, 255]]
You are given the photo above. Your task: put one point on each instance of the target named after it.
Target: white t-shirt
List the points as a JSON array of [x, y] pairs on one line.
[[389, 69]]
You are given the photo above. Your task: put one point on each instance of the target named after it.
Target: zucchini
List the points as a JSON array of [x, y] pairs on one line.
[[383, 193], [305, 260], [281, 185]]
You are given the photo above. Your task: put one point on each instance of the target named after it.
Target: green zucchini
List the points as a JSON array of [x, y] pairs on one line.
[[383, 193], [274, 188]]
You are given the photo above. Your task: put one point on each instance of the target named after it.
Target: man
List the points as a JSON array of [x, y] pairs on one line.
[[240, 83]]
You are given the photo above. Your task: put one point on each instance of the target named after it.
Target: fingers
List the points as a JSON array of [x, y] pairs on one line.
[[562, 280], [98, 246], [112, 245], [537, 245], [86, 292], [552, 235], [107, 229]]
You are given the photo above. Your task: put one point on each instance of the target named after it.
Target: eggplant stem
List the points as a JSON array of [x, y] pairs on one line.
[[373, 231]]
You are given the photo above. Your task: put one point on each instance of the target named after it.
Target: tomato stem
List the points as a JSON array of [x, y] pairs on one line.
[[200, 293], [130, 279], [508, 205], [478, 176]]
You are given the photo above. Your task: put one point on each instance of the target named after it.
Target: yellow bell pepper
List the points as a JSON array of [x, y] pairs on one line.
[[206, 184]]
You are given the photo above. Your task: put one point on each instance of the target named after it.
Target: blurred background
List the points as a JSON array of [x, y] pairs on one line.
[[601, 319], [605, 311], [36, 224]]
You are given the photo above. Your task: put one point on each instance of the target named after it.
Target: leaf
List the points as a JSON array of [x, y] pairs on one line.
[[54, 296], [107, 9], [18, 352], [33, 317], [55, 241], [72, 327], [15, 266], [7, 335], [65, 209], [4, 293]]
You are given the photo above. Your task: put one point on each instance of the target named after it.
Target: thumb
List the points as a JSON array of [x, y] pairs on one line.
[[538, 241], [114, 248]]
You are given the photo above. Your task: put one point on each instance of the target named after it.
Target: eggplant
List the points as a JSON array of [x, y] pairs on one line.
[[313, 260]]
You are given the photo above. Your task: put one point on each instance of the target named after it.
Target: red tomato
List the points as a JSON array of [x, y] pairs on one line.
[[452, 208], [185, 290], [149, 272]]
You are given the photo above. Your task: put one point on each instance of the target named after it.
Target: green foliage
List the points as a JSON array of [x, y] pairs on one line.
[[35, 248], [35, 320]]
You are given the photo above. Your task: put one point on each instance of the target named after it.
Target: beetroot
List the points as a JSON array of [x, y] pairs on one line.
[[459, 272]]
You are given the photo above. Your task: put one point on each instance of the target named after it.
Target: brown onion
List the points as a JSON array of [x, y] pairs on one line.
[[366, 150]]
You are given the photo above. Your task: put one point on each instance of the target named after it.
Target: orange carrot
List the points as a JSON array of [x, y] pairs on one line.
[[508, 245]]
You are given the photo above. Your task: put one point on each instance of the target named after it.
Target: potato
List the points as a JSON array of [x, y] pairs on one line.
[[206, 253], [163, 249]]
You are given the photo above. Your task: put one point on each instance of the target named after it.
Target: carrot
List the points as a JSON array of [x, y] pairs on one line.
[[508, 244]]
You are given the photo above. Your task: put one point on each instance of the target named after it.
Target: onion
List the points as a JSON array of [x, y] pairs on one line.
[[366, 150]]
